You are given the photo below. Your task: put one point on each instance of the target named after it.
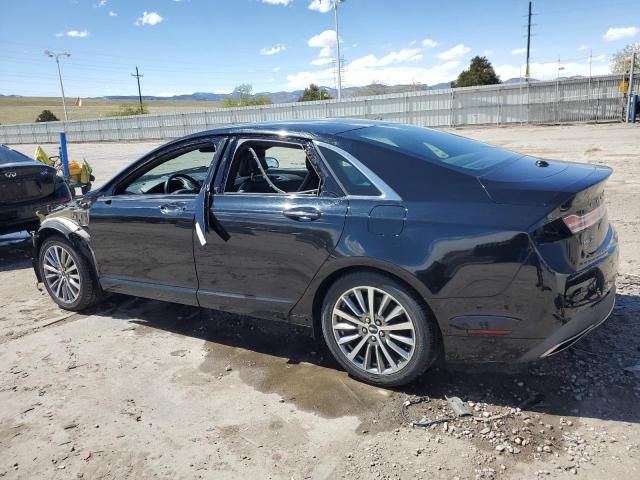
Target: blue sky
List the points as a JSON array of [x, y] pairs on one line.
[[212, 45]]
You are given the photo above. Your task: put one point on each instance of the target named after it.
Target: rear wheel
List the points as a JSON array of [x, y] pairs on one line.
[[66, 275], [377, 330]]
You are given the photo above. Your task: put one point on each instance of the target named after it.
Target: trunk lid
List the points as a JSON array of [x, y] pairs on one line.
[[575, 232], [25, 182], [532, 181]]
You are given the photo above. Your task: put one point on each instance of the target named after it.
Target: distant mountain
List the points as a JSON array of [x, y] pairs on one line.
[[519, 79], [292, 96], [440, 86]]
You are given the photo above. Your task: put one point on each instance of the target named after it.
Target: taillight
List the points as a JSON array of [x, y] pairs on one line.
[[578, 223]]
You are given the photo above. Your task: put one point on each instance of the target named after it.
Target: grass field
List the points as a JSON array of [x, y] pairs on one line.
[[26, 109]]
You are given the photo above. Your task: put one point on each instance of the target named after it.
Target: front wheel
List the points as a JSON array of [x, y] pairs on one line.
[[378, 330], [66, 275]]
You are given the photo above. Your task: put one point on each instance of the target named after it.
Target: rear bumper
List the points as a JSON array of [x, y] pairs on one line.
[[540, 314], [581, 324]]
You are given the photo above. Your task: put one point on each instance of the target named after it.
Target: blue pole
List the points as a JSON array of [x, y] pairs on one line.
[[63, 154], [635, 106]]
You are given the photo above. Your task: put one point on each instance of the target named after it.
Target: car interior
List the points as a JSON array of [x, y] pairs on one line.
[[260, 167], [183, 173]]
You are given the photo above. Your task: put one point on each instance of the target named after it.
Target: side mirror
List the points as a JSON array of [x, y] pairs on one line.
[[272, 162]]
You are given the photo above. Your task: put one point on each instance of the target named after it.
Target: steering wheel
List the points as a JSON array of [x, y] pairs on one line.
[[187, 182]]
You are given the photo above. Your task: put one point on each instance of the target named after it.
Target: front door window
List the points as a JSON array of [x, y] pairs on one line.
[[181, 173]]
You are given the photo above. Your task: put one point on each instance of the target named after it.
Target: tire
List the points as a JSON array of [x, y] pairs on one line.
[[384, 332], [77, 288]]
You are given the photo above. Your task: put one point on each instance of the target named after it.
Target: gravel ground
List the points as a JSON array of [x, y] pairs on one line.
[[145, 389]]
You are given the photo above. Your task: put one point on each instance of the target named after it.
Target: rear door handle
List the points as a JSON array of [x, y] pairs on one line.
[[171, 209], [303, 214]]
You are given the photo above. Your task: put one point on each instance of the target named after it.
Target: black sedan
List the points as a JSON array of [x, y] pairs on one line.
[[400, 244], [27, 187]]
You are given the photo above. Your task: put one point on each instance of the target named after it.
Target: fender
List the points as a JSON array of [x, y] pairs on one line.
[[70, 230]]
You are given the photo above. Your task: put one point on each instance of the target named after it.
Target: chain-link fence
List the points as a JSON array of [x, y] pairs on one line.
[[567, 100]]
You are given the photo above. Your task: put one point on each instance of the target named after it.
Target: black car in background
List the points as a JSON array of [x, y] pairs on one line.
[[27, 186], [398, 243]]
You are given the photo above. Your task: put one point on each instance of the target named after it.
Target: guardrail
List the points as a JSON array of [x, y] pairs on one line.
[[567, 100]]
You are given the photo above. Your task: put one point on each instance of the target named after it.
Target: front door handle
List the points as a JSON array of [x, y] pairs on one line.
[[171, 209], [302, 214]]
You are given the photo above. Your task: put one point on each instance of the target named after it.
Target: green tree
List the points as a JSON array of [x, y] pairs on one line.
[[621, 60], [314, 92], [480, 72], [46, 116], [127, 110], [242, 97]]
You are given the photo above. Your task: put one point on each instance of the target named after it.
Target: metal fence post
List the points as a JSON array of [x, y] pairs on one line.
[[451, 97]]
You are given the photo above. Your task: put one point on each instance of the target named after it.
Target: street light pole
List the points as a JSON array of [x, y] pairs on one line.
[[57, 57], [335, 13]]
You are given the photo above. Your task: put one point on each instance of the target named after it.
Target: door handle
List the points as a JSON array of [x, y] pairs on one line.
[[303, 214], [171, 209]]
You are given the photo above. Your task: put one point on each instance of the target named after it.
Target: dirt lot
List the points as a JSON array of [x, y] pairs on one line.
[[144, 389], [27, 109]]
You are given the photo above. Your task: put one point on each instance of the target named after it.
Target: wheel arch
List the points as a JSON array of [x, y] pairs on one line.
[[330, 278], [71, 231]]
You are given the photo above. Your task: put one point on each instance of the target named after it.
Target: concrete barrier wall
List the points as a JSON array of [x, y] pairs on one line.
[[570, 100]]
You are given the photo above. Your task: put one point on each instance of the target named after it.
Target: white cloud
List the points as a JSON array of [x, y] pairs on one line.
[[102, 3], [429, 43], [73, 34], [320, 61], [487, 52], [619, 33], [322, 6], [582, 48], [149, 18], [277, 2], [518, 51], [113, 14], [454, 53], [325, 52], [401, 56], [323, 39], [273, 50], [277, 69]]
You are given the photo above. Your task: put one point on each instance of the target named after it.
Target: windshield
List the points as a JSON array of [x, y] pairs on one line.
[[434, 146], [11, 156]]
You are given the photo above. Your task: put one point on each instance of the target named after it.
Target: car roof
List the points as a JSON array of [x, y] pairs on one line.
[[301, 129]]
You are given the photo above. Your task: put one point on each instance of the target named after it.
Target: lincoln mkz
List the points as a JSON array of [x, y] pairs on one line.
[[399, 244]]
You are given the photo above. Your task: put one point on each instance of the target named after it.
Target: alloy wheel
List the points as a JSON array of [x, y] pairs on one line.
[[61, 274], [373, 330]]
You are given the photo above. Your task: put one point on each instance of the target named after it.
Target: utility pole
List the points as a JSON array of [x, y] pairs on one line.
[[137, 75], [526, 72], [630, 88], [589, 85], [335, 14], [57, 57]]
